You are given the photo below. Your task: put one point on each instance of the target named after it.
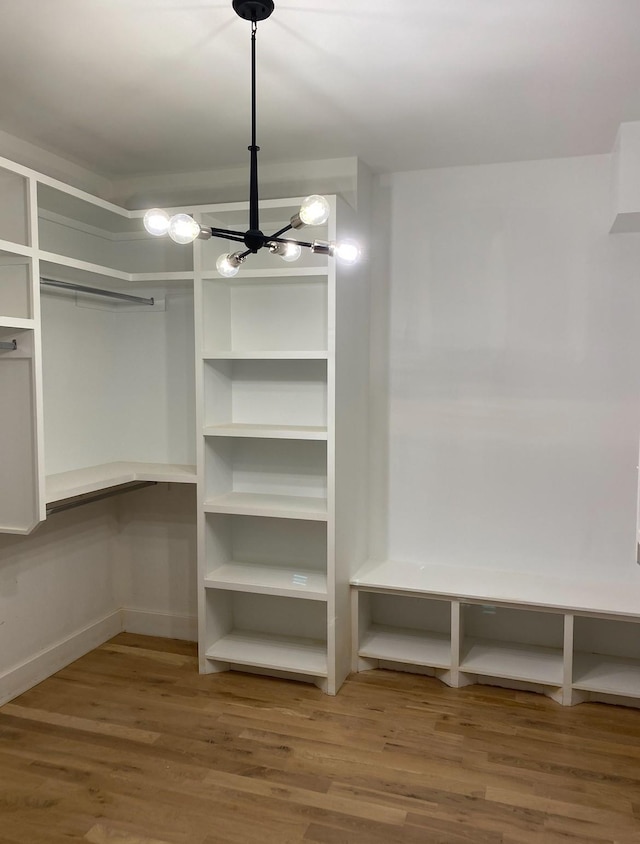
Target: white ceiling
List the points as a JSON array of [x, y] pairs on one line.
[[143, 86]]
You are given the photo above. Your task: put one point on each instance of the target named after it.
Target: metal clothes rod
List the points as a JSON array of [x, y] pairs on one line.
[[91, 497], [10, 346], [96, 291]]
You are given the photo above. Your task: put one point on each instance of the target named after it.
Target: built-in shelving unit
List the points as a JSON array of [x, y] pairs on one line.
[[268, 475], [571, 642]]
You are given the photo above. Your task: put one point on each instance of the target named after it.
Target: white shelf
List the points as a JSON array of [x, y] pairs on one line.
[[273, 432], [16, 248], [16, 322], [94, 478], [51, 266], [418, 647], [277, 506], [513, 661], [284, 274], [224, 354], [269, 580], [606, 674], [278, 653]]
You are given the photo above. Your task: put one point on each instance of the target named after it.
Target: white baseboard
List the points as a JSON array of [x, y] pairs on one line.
[[166, 625], [27, 674]]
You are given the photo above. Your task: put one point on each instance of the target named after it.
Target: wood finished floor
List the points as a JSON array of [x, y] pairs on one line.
[[129, 745]]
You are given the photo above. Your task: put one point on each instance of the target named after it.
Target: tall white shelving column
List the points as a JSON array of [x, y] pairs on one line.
[[276, 537]]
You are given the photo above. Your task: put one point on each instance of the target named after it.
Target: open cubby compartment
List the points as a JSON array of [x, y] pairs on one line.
[[271, 477], [606, 656], [99, 233], [284, 314], [15, 286], [512, 643], [267, 556], [285, 398], [19, 497], [407, 629], [273, 633], [272, 219], [14, 208]]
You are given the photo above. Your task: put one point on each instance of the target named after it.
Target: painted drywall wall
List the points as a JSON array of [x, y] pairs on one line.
[[514, 370], [118, 380], [55, 582], [155, 560]]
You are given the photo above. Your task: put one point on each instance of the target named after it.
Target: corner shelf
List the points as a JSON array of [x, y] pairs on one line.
[[105, 475]]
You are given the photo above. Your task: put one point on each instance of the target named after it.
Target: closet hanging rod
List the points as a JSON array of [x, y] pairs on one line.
[[96, 291], [10, 345], [98, 495]]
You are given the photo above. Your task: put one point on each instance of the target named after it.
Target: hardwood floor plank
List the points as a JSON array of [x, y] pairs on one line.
[[129, 745]]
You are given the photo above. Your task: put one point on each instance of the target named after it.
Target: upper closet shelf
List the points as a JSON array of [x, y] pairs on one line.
[[279, 273], [15, 248], [94, 478], [16, 322], [60, 268]]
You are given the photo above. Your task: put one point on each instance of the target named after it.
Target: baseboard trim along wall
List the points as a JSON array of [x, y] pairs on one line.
[[165, 625], [32, 671]]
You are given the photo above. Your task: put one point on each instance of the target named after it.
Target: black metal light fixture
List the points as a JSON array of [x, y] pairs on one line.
[[314, 210]]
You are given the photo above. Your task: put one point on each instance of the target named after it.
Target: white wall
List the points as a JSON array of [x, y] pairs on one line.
[[118, 380], [55, 582], [155, 560], [514, 364]]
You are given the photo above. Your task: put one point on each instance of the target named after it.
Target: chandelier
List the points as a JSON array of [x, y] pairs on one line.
[[314, 210]]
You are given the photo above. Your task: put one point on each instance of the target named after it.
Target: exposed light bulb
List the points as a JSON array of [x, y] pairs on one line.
[[228, 265], [314, 211], [156, 222], [347, 252], [183, 228], [288, 251]]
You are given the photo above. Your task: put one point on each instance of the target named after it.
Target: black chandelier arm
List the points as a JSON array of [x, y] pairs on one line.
[[281, 231], [226, 234], [278, 239]]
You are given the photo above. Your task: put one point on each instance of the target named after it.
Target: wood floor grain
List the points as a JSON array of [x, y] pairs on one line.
[[129, 745]]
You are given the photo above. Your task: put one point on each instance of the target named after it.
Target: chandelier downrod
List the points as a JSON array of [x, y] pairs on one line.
[[314, 210]]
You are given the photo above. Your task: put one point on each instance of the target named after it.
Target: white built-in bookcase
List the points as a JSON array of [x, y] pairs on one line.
[[279, 536]]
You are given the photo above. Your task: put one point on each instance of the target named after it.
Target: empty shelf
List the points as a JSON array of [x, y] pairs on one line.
[[276, 506], [93, 478], [606, 674], [419, 647], [270, 580], [280, 653], [528, 663], [274, 432], [222, 354]]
